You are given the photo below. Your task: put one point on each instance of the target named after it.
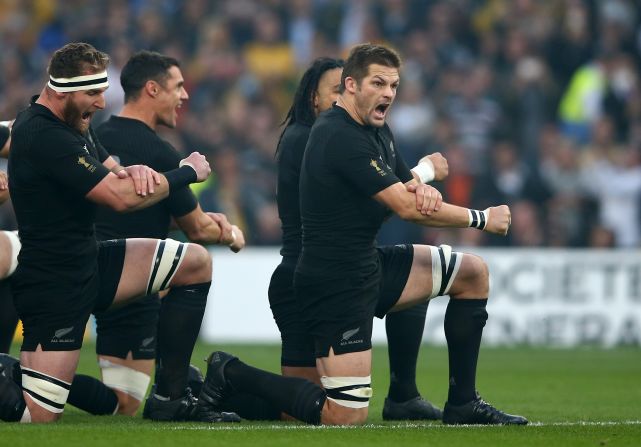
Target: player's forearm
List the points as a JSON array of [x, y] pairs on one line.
[[120, 193], [204, 230], [448, 215], [127, 200]]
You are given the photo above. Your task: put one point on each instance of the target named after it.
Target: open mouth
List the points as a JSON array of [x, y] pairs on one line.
[[381, 110], [86, 116]]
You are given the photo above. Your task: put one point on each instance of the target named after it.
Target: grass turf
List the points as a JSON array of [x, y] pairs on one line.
[[581, 397]]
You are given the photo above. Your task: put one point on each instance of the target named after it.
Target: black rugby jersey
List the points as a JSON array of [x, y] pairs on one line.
[[132, 142], [290, 156], [52, 167], [344, 165]]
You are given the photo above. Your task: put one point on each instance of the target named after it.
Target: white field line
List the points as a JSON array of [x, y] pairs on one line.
[[286, 427]]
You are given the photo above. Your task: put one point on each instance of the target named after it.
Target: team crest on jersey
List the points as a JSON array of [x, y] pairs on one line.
[[374, 164], [86, 164]]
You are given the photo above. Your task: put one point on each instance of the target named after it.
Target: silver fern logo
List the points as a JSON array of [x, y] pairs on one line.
[[62, 332], [349, 334]]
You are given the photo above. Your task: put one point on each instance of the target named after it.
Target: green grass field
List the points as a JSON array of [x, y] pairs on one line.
[[582, 397]]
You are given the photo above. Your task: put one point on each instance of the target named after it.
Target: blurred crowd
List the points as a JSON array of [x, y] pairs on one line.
[[535, 103]]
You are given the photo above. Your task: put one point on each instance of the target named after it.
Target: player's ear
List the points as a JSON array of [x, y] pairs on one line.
[[151, 88], [315, 99], [350, 84]]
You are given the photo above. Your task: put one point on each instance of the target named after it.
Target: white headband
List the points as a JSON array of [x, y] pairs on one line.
[[77, 83]]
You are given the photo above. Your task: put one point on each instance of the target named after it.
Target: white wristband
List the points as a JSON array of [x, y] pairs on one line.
[[478, 219], [186, 163], [424, 170], [5, 123]]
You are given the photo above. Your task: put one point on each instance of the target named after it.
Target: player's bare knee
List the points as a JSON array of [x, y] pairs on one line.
[[127, 405], [334, 414], [474, 277], [196, 267]]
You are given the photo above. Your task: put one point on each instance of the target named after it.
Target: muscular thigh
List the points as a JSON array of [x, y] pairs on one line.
[[352, 364], [150, 265], [434, 272], [419, 281], [59, 364]]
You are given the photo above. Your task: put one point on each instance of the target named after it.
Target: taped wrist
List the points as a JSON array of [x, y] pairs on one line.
[[478, 219], [425, 170], [181, 177]]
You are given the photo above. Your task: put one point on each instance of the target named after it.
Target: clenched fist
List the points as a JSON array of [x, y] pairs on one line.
[[199, 163], [499, 219]]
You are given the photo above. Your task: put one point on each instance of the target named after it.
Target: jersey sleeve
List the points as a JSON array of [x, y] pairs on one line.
[[57, 154], [355, 158], [102, 152], [402, 171], [181, 201]]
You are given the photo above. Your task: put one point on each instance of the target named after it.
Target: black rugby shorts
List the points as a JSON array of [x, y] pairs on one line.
[[54, 316], [339, 311]]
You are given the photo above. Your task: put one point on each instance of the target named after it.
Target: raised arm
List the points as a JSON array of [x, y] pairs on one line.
[[493, 220], [431, 167], [121, 194]]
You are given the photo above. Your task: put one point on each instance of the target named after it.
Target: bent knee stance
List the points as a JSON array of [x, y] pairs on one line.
[[46, 391], [168, 257], [348, 393], [473, 278], [445, 268], [126, 380]]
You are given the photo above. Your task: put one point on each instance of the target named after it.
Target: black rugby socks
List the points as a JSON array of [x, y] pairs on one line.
[[181, 314], [404, 337], [464, 322], [251, 407], [297, 397], [91, 395], [8, 317]]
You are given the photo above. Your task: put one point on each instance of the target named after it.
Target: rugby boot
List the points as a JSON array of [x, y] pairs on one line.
[[215, 389], [12, 404], [195, 380], [478, 411], [182, 409], [415, 409], [10, 367]]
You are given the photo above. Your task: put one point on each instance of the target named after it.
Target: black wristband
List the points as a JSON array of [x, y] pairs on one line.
[[181, 177]]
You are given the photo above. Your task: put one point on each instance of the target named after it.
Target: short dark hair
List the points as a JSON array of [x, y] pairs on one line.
[[302, 108], [364, 55], [142, 67], [77, 59]]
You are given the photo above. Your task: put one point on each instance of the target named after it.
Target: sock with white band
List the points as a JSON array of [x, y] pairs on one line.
[[478, 219]]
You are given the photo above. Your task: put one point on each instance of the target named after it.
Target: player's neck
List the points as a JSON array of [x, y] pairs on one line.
[[350, 108], [54, 107], [139, 112]]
